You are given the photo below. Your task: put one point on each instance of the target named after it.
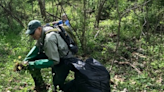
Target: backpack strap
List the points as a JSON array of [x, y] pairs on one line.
[[52, 30]]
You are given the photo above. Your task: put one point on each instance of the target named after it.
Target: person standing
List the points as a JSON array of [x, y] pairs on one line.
[[64, 21]]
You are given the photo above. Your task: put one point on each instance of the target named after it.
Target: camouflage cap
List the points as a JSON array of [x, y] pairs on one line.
[[32, 26]]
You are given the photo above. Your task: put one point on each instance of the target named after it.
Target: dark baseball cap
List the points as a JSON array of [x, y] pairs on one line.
[[32, 26]]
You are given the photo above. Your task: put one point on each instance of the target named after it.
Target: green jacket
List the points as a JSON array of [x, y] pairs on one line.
[[53, 45]]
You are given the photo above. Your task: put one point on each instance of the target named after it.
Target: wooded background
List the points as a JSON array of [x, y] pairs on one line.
[[125, 35]]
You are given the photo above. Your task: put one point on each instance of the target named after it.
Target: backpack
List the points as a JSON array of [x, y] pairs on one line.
[[67, 35]]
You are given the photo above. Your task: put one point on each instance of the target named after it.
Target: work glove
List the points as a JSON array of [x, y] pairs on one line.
[[41, 63]]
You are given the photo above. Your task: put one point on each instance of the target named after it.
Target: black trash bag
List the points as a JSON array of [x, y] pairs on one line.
[[90, 76]]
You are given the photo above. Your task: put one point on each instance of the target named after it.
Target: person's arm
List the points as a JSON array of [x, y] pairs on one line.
[[54, 23], [41, 63], [32, 54], [60, 22], [51, 48]]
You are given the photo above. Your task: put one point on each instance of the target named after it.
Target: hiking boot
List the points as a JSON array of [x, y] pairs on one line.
[[42, 88]]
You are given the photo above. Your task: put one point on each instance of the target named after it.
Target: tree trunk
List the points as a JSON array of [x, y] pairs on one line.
[[100, 8], [118, 33], [42, 8], [83, 38]]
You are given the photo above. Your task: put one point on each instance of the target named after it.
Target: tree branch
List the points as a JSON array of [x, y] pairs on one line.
[[133, 8], [12, 15], [118, 33], [52, 15]]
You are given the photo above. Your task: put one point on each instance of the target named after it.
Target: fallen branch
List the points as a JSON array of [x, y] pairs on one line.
[[128, 63], [96, 34]]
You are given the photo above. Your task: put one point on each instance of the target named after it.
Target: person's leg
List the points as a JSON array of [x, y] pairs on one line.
[[70, 86], [37, 77], [36, 74], [60, 73]]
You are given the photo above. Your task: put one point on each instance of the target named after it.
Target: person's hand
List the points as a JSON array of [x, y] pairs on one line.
[[25, 63], [20, 66]]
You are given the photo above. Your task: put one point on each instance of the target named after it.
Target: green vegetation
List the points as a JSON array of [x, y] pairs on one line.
[[126, 37]]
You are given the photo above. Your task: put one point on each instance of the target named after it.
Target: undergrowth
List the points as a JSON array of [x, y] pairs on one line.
[[137, 65]]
